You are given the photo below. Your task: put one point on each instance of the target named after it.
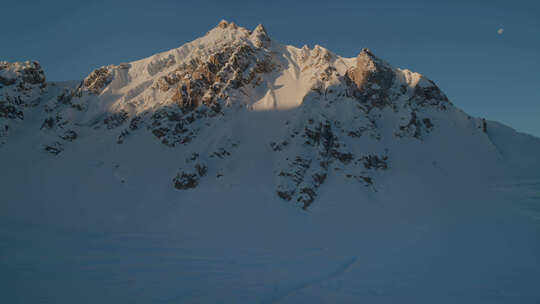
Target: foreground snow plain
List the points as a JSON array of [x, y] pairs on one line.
[[103, 227]]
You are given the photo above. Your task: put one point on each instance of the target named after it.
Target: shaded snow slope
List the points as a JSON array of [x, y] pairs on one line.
[[238, 168]]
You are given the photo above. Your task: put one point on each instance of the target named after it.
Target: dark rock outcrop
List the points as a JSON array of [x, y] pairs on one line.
[[184, 181], [98, 80], [27, 73], [54, 148], [416, 127], [188, 179]]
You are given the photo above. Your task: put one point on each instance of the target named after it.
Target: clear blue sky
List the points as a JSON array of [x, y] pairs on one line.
[[456, 44]]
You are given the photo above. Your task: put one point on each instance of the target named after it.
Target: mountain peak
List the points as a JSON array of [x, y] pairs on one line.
[[260, 29], [223, 24], [370, 70], [260, 36]]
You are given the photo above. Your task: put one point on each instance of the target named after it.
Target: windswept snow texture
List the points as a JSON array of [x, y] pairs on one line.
[[235, 169]]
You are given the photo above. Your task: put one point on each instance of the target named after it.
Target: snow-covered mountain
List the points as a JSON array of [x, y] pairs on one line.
[[238, 126], [347, 117]]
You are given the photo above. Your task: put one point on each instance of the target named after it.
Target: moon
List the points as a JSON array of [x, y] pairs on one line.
[[500, 31]]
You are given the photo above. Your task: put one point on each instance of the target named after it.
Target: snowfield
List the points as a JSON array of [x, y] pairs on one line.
[[235, 169]]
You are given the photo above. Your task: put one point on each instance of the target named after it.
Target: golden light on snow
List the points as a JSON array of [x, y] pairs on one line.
[[500, 31]]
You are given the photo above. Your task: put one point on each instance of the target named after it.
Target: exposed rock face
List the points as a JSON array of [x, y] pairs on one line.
[[21, 84], [54, 148], [69, 135], [415, 127], [172, 126], [202, 86], [371, 78], [223, 24], [26, 73], [97, 80], [184, 180], [207, 81], [116, 119], [322, 152], [190, 178], [260, 37], [429, 94], [10, 111], [133, 125], [166, 82]]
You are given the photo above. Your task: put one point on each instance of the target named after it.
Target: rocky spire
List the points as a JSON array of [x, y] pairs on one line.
[[370, 69], [371, 78], [260, 36], [222, 24], [260, 29]]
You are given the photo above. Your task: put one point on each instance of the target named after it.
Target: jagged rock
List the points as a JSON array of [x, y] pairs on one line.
[[278, 146], [160, 132], [28, 72], [223, 24], [371, 79], [415, 127], [260, 37], [306, 196], [170, 126], [4, 130], [65, 98], [133, 125], [286, 195], [69, 135], [122, 137], [202, 169], [116, 119], [194, 156], [55, 148], [188, 179], [10, 111], [365, 180], [429, 94], [293, 182], [375, 162], [164, 83], [124, 66], [97, 80], [342, 157], [48, 123], [208, 81], [184, 181], [320, 143], [189, 95], [20, 86], [7, 81], [220, 153]]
